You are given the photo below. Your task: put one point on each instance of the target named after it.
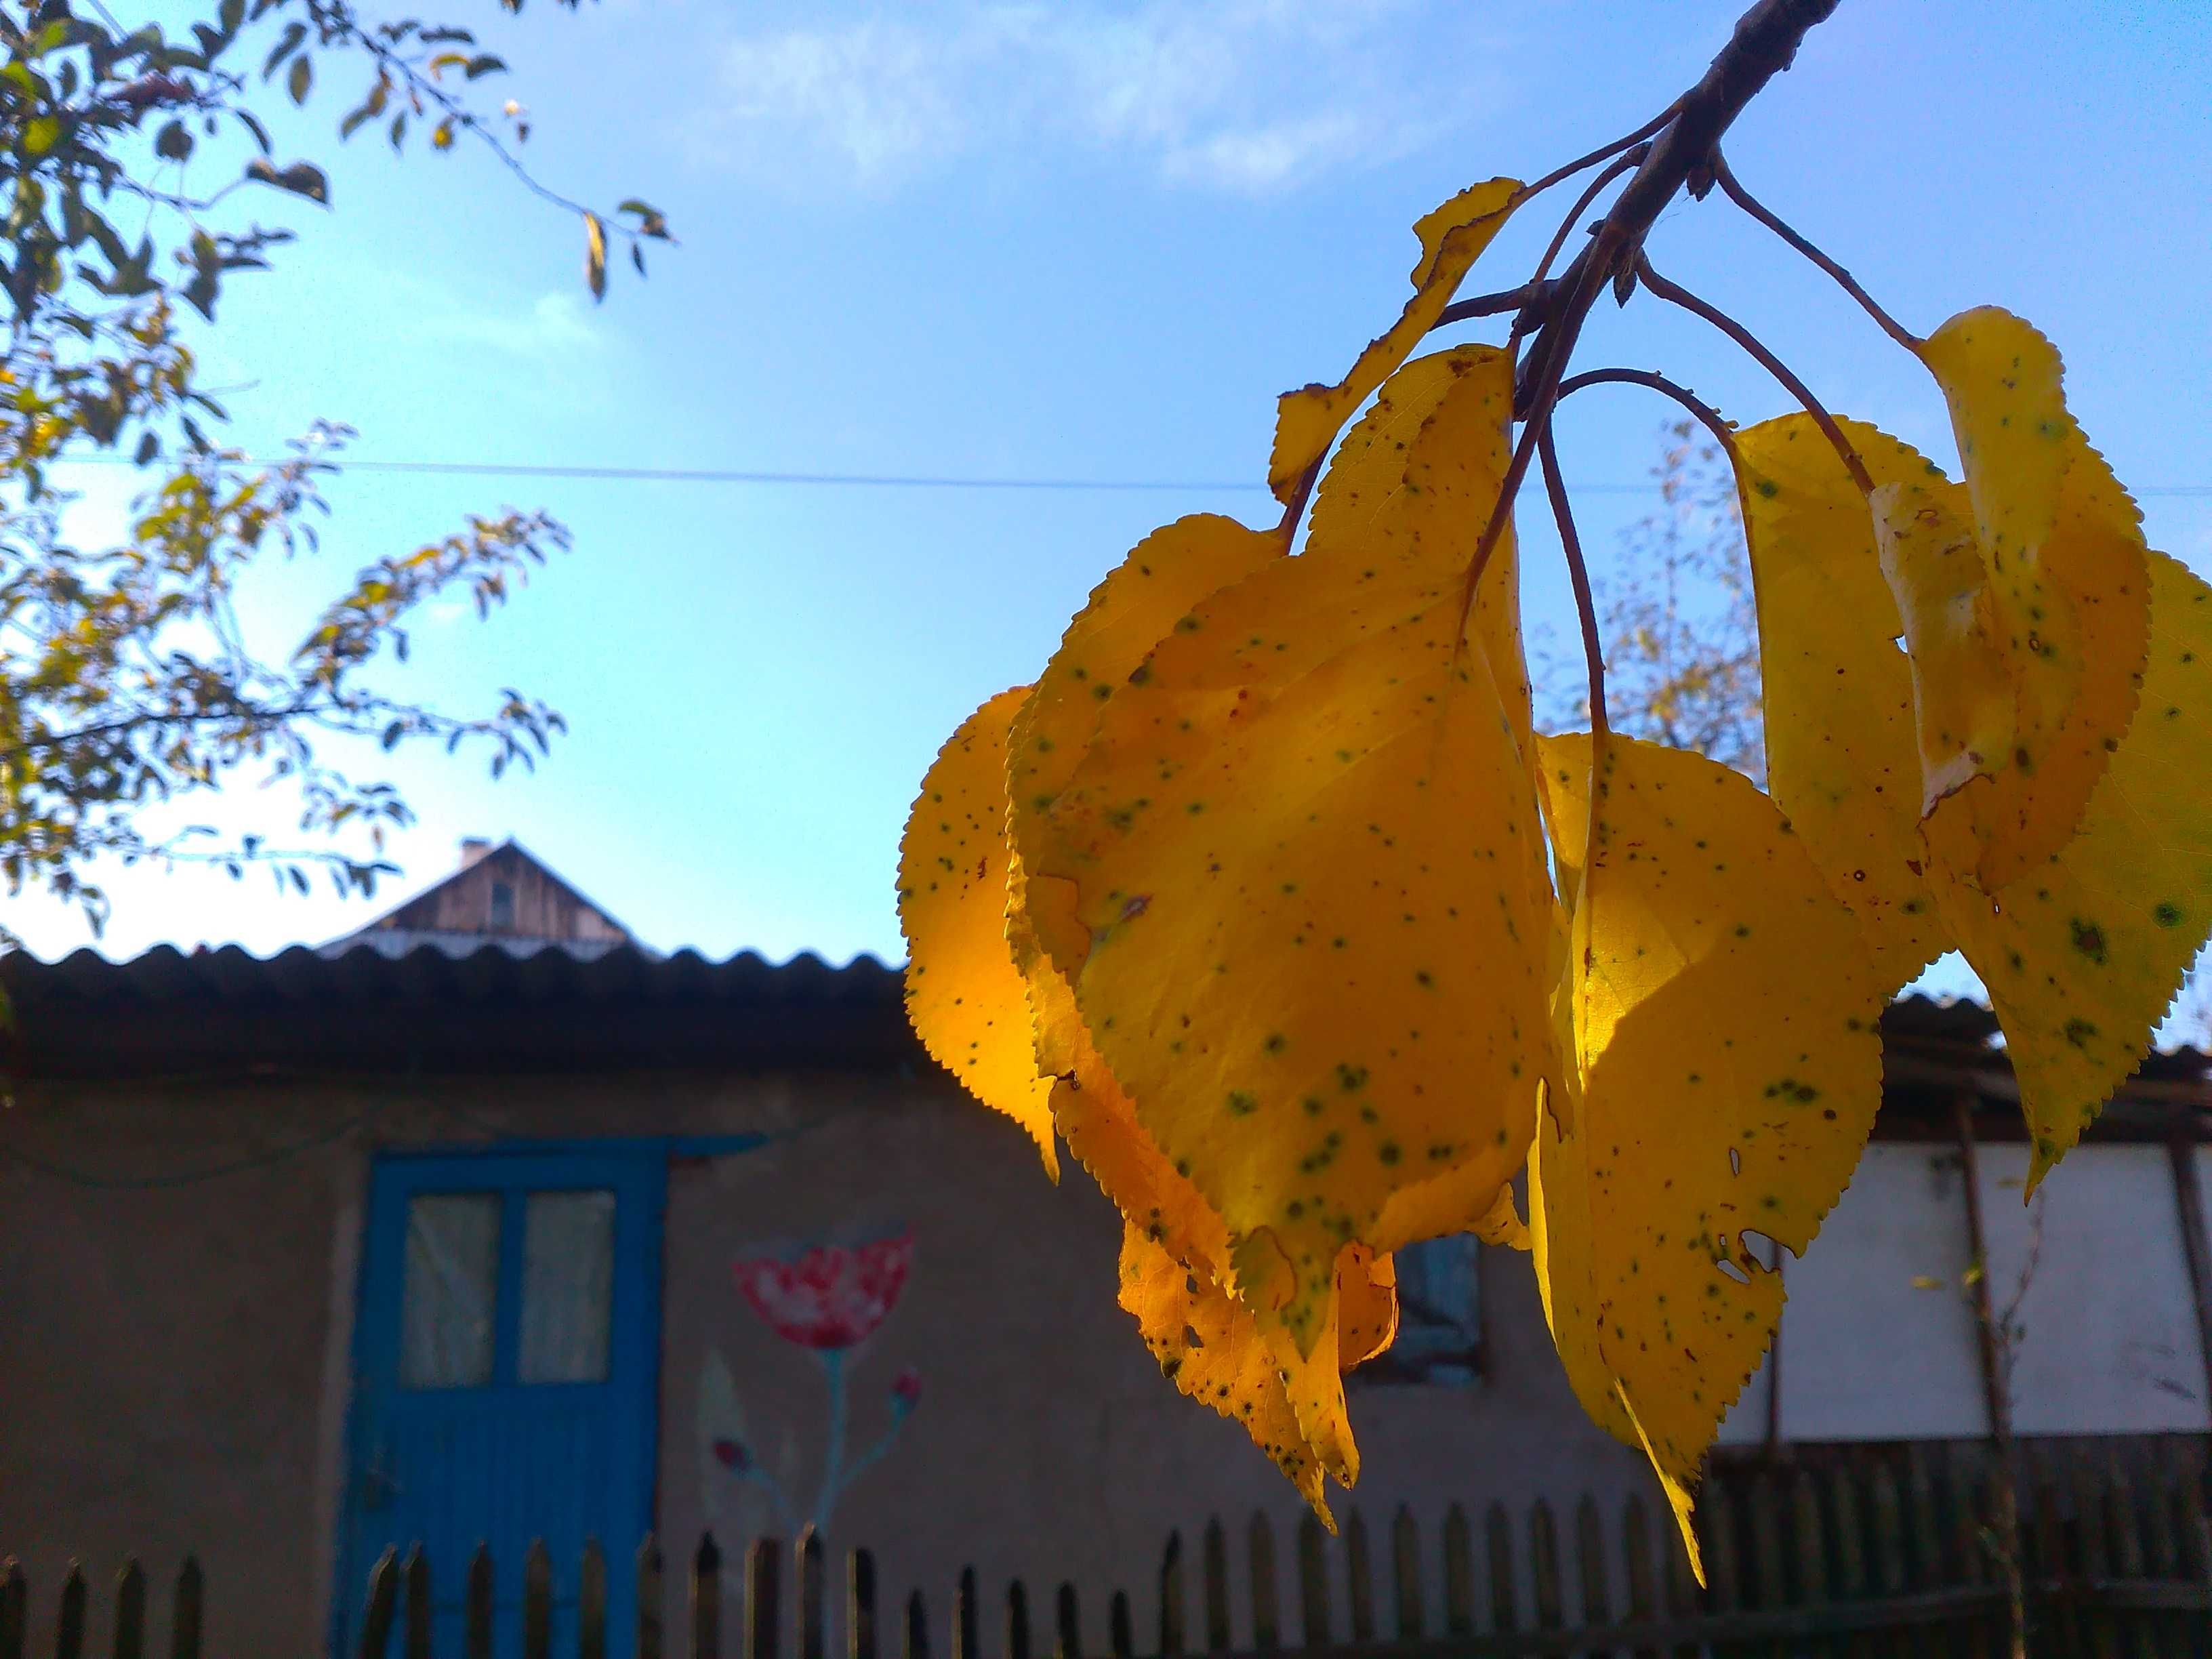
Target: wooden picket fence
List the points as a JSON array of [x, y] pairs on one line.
[[1871, 1556]]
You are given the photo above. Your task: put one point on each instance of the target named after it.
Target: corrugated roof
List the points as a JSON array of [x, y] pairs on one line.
[[524, 971]]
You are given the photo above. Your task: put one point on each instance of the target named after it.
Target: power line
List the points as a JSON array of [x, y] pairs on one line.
[[867, 480]]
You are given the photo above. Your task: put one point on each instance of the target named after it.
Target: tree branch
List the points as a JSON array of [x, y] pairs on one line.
[[1763, 44]]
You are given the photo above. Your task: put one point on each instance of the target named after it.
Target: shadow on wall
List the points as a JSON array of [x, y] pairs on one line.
[[827, 1300]]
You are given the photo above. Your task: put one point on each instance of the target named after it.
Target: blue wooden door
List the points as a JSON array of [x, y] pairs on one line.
[[506, 1377]]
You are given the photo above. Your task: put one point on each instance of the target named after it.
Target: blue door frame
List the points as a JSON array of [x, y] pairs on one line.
[[505, 1462]]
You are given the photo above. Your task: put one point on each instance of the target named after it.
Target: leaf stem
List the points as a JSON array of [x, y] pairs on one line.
[[1501, 514], [1733, 188], [1703, 411], [1577, 573], [1772, 364], [1597, 156]]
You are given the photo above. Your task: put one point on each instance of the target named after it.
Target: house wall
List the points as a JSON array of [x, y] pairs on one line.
[[176, 1365]]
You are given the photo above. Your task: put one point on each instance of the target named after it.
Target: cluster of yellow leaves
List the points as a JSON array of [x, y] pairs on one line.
[[1267, 900]]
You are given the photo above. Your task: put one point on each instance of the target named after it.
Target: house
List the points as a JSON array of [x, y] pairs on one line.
[[486, 1222]]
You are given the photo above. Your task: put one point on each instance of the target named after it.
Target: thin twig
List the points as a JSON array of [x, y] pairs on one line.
[[1501, 512], [1490, 304], [1713, 418], [1772, 364], [1577, 573], [1634, 158], [1597, 156], [1734, 190]]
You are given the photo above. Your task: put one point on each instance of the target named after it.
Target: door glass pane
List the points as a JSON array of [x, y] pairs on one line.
[[568, 1286], [451, 1283]]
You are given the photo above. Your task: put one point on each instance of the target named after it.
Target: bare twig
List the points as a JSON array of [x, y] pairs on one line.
[[1734, 190], [1577, 573], [1715, 423], [1490, 304], [1597, 156], [1773, 364]]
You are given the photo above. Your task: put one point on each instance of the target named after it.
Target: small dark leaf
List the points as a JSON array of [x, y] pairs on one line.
[[637, 257], [302, 77], [300, 178], [287, 44], [252, 124], [148, 448], [174, 143]]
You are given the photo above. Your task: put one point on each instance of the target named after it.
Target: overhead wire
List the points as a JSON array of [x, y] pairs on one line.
[[858, 480]]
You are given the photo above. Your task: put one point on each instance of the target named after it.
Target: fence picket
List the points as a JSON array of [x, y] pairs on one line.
[[2163, 1560], [1716, 1508], [187, 1613], [763, 1606], [917, 1627], [813, 1634], [704, 1596], [130, 1611], [1170, 1597], [967, 1632], [590, 1603], [1119, 1632], [1260, 1543], [15, 1609], [860, 1605], [1359, 1579], [1405, 1574], [477, 1633], [1459, 1574], [1636, 1568], [2095, 1545], [1767, 1568], [1017, 1620], [1589, 1553], [1498, 1528], [1313, 1582], [651, 1587], [1213, 1568], [1812, 1539], [2050, 1627], [1068, 1625], [538, 1603], [1681, 1588], [414, 1576], [1889, 1515], [2124, 1538], [1544, 1566], [1924, 1533], [375, 1621]]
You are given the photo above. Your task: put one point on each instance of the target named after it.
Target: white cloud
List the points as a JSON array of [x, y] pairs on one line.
[[1245, 95]]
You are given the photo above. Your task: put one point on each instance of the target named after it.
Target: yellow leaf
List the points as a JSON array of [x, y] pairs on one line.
[[1367, 1318], [1312, 934], [1724, 1014], [1962, 689], [965, 998], [1923, 1282], [2068, 591], [1405, 490], [2083, 955], [1453, 237], [1841, 756], [1164, 576], [1208, 1344]]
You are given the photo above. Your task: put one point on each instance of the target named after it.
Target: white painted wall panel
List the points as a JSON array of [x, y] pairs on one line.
[[1868, 1354], [2109, 1343]]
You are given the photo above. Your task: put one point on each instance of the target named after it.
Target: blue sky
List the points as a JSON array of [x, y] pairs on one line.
[[1075, 240]]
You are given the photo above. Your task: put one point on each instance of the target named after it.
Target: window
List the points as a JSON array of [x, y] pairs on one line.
[[502, 907], [451, 1291], [1439, 1314], [568, 1286]]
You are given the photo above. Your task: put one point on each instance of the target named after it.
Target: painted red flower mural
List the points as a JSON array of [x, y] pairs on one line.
[[831, 1297]]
